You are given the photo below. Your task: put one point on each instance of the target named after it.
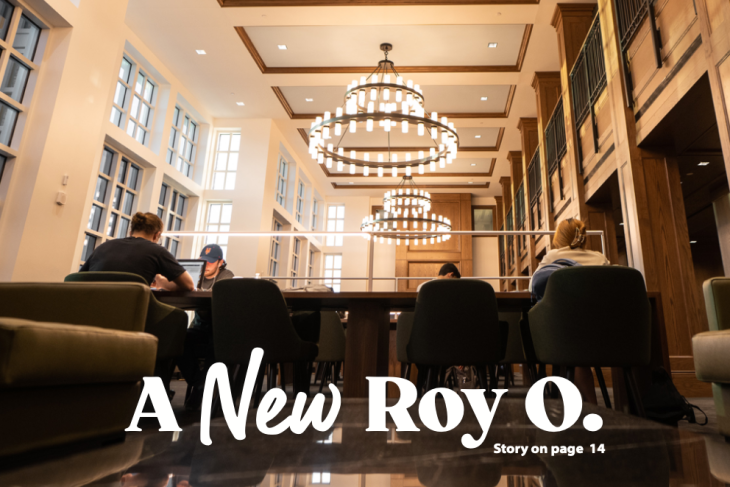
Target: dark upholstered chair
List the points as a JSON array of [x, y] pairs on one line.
[[252, 313], [167, 323], [456, 323], [402, 337], [712, 348], [594, 316], [72, 357], [331, 346]]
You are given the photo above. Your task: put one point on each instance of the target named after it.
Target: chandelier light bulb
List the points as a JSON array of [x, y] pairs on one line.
[[353, 126], [340, 166], [395, 172], [369, 126], [420, 169], [361, 97], [352, 168], [434, 133], [380, 171], [421, 129], [408, 170], [366, 171], [373, 94], [404, 126], [375, 79], [380, 157], [326, 132], [320, 158], [432, 166], [329, 163]]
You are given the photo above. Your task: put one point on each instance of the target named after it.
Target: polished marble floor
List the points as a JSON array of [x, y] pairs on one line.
[[637, 453]]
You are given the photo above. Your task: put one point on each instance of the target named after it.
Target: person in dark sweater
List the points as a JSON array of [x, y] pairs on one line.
[[199, 339], [140, 254]]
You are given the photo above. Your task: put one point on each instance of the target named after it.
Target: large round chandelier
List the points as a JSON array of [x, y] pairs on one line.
[[406, 208], [383, 98]]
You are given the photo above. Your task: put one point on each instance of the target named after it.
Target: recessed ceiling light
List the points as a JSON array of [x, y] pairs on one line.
[[309, 99], [282, 47], [473, 164], [240, 103], [703, 164], [470, 182], [621, 224], [693, 241], [477, 136], [200, 51], [492, 44], [690, 174], [484, 98], [351, 182]]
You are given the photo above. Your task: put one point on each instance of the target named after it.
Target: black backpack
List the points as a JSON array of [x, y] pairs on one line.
[[664, 404]]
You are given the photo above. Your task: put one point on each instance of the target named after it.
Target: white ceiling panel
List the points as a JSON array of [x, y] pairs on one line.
[[413, 45]]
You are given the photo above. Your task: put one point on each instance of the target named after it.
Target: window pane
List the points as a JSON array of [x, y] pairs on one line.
[[135, 106], [144, 115], [220, 162], [226, 217], [128, 203], [89, 246], [214, 214], [173, 138], [483, 219], [141, 135], [100, 193], [125, 70], [133, 177], [325, 477], [6, 11], [176, 117], [106, 162], [233, 162], [26, 38], [95, 217], [123, 171], [316, 478], [170, 221], [130, 127], [149, 90], [224, 141], [231, 180], [163, 194], [140, 83], [15, 79], [338, 262], [178, 224], [120, 94], [7, 123], [160, 212], [235, 142], [117, 201], [3, 160], [181, 205], [341, 212], [193, 131], [332, 212], [112, 225], [173, 201], [123, 226], [173, 247], [219, 180], [116, 117]]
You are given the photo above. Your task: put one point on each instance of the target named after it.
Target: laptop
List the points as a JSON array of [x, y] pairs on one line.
[[196, 268]]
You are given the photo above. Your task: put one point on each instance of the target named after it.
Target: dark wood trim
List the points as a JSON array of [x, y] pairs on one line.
[[366, 3], [484, 185], [517, 67], [483, 207], [312, 116]]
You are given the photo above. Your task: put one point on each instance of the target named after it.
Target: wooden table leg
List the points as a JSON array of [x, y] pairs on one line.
[[368, 330]]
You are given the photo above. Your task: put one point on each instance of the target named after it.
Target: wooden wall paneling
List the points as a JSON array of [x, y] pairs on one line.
[[507, 205], [547, 92], [499, 221], [419, 260]]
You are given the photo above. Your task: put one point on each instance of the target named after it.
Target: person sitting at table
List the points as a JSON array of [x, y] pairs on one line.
[[140, 254], [569, 242], [199, 338], [447, 271]]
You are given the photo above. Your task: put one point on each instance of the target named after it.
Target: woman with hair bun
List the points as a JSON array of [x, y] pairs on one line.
[[140, 254]]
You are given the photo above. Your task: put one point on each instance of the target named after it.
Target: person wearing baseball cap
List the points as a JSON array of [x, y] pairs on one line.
[[199, 338]]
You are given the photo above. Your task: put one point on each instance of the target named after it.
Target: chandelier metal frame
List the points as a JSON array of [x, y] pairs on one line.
[[379, 108]]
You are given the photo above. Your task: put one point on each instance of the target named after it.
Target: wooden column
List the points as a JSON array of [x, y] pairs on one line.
[[507, 205], [548, 92], [530, 140], [572, 21], [499, 221]]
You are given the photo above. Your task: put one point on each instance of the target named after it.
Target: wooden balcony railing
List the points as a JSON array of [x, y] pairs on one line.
[[588, 77]]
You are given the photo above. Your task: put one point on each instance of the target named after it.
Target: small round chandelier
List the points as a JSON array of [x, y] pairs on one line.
[[406, 208], [385, 99]]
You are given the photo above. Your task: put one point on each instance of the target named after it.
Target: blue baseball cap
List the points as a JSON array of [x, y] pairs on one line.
[[211, 253]]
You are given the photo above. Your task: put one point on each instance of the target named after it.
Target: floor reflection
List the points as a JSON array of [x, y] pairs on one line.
[[637, 453]]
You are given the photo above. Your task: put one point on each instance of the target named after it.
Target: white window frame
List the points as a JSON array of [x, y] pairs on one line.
[[295, 260], [321, 478], [333, 272], [315, 210], [335, 223], [299, 207], [275, 249], [310, 264], [171, 213], [105, 204], [281, 180], [225, 163], [183, 141], [128, 113], [14, 97], [218, 216]]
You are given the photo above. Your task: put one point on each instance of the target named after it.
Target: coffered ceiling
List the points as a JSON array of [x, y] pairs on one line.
[[441, 45]]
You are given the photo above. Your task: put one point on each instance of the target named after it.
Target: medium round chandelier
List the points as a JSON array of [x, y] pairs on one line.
[[385, 99], [406, 208]]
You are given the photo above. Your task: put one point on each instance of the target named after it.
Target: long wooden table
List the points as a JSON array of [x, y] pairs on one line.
[[368, 326]]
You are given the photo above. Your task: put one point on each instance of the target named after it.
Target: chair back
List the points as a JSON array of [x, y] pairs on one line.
[[593, 316], [97, 276], [717, 302], [456, 323], [251, 313], [331, 338], [403, 335], [117, 306]]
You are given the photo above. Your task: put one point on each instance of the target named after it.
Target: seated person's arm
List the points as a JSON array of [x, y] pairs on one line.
[[184, 282]]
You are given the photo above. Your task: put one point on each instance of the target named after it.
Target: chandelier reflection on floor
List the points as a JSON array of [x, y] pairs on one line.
[[406, 208], [383, 97]]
